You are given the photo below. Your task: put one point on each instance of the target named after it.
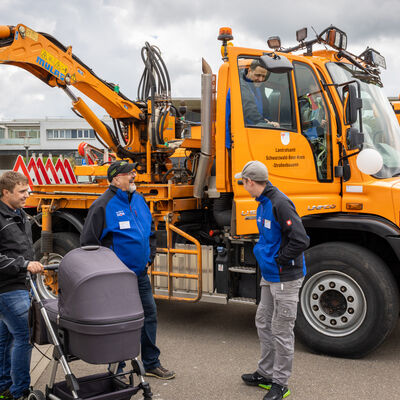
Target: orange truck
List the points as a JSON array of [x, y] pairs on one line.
[[333, 148], [395, 101]]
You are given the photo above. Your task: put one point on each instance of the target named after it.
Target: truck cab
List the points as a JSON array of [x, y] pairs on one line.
[[336, 155]]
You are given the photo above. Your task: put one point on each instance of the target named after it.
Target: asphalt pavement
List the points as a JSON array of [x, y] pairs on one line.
[[210, 345]]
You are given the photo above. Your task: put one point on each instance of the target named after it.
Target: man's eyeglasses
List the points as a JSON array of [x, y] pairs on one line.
[[131, 173]]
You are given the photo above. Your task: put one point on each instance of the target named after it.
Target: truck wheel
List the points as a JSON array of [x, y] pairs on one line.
[[349, 302], [63, 242]]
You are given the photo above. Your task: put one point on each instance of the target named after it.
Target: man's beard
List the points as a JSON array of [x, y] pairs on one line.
[[132, 187]]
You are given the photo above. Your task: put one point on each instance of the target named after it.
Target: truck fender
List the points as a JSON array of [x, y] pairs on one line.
[[76, 222], [356, 222]]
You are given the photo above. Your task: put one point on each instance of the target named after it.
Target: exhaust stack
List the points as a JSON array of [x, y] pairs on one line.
[[207, 103]]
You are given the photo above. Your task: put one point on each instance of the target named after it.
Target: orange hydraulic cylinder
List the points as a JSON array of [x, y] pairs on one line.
[[5, 31], [94, 122]]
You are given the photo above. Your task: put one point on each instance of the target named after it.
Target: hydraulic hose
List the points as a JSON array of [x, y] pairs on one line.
[[154, 75]]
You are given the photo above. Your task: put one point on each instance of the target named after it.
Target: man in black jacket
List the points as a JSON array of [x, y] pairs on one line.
[[16, 257]]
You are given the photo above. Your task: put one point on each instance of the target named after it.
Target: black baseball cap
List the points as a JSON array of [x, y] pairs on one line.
[[119, 167]]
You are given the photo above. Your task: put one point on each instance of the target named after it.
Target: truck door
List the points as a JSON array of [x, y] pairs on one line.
[[291, 134]]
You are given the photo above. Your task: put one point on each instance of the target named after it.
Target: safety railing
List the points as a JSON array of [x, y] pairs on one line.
[[169, 273]]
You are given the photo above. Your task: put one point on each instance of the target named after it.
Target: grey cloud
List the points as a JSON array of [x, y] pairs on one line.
[[107, 35]]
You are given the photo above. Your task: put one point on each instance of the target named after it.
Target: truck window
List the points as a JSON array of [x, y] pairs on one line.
[[380, 126], [266, 96], [314, 118]]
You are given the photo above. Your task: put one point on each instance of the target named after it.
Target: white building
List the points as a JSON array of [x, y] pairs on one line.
[[43, 136]]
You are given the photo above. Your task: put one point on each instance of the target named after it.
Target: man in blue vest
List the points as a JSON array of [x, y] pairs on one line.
[[256, 108], [121, 220], [279, 254]]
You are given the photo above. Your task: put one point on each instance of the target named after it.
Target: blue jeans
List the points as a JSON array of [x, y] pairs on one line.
[[149, 351], [15, 349]]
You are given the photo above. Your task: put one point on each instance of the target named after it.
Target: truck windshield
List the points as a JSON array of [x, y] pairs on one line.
[[380, 126]]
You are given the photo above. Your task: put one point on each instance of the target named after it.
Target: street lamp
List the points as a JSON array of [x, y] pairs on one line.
[[26, 145]]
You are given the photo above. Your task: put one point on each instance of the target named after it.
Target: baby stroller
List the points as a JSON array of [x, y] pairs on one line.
[[97, 318]]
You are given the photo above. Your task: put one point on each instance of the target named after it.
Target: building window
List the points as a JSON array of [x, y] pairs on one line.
[[69, 134], [20, 133], [2, 133]]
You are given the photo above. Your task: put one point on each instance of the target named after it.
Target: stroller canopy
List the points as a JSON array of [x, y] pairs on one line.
[[95, 287]]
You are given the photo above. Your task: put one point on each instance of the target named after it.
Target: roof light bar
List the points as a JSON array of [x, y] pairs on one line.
[[274, 42], [373, 57]]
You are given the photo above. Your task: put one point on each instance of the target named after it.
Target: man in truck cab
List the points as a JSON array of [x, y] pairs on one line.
[[256, 107], [312, 112], [279, 254], [121, 220]]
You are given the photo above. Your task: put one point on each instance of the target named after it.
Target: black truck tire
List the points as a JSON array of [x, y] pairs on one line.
[[63, 242], [349, 302]]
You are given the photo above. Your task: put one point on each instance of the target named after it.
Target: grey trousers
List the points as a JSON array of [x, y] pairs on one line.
[[275, 318]]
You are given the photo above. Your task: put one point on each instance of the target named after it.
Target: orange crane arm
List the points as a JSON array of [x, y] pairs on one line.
[[56, 65]]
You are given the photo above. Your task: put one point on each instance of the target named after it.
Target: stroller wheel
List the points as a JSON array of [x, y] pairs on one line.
[[36, 395]]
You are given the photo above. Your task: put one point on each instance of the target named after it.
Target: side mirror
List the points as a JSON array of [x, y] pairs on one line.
[[354, 138], [335, 38], [352, 104], [275, 63], [369, 161]]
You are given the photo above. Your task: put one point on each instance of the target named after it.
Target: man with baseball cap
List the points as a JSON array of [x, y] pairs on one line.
[[119, 167], [279, 254], [121, 220]]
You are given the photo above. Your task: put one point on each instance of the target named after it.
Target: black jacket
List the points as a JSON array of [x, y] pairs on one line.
[[16, 248]]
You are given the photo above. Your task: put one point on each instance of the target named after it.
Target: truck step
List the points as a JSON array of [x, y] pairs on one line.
[[246, 300], [243, 270]]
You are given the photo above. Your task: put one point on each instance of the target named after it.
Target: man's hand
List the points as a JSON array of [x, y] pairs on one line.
[[283, 263], [272, 123], [34, 267]]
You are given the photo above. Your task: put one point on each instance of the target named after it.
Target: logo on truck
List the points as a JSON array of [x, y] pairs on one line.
[[52, 64], [321, 207]]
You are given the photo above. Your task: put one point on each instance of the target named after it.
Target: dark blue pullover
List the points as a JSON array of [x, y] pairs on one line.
[[283, 239]]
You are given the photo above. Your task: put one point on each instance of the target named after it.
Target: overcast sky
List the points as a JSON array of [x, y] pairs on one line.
[[107, 35]]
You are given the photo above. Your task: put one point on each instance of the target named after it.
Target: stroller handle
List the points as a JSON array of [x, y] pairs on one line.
[[51, 267], [90, 247]]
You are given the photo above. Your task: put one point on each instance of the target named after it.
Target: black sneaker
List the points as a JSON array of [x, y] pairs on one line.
[[25, 395], [277, 392], [6, 395], [255, 379], [161, 373]]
